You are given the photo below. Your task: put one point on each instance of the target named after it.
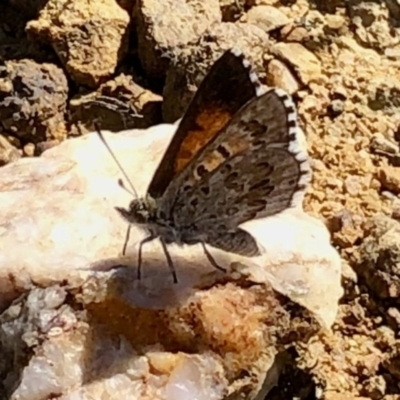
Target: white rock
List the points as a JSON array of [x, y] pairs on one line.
[[58, 217], [58, 223]]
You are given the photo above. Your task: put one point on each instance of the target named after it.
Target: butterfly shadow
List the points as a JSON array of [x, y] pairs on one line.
[[156, 289]]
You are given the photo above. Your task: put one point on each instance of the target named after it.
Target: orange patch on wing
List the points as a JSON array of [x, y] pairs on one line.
[[208, 124]]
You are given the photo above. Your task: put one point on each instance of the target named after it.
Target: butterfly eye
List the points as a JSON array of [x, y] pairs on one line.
[[134, 205]]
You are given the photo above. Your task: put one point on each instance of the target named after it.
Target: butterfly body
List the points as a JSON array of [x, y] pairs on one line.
[[145, 214], [234, 157]]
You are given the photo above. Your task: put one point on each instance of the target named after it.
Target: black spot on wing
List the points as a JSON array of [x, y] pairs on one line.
[[223, 151], [201, 171], [265, 183]]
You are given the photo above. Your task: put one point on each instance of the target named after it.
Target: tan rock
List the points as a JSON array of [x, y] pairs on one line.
[[295, 34], [8, 153], [267, 18], [33, 100], [164, 28], [383, 146], [352, 185], [29, 150], [279, 75], [186, 73], [389, 177], [89, 37], [335, 22], [305, 63]]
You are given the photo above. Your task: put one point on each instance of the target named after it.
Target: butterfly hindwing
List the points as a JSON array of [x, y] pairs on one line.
[[225, 89]]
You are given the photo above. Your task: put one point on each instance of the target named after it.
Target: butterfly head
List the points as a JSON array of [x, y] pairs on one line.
[[139, 211]]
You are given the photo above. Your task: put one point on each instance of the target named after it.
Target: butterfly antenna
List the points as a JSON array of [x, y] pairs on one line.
[[120, 182]]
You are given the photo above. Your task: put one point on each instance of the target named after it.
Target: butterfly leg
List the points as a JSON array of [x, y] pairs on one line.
[[210, 258], [139, 266], [169, 261], [127, 236]]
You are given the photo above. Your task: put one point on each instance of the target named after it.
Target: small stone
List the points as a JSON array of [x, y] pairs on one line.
[[335, 21], [348, 273], [336, 107], [35, 107], [346, 237], [394, 314], [352, 185], [393, 52], [375, 185], [267, 18], [339, 92], [295, 34], [305, 63], [29, 150], [389, 196], [375, 387], [6, 87], [279, 75], [8, 153], [390, 178], [381, 145]]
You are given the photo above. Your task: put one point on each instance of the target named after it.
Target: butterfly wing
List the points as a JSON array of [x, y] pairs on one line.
[[254, 168], [226, 88]]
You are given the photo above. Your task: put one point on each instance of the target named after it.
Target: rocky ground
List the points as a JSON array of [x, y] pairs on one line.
[[61, 70]]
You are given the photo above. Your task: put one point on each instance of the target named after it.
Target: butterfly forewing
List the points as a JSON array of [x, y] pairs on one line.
[[225, 89]]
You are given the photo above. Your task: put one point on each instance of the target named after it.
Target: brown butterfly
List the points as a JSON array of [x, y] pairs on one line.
[[234, 157]]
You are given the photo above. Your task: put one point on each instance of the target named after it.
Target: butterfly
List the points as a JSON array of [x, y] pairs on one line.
[[234, 157]]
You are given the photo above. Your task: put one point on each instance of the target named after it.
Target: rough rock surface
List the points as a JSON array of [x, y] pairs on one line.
[[350, 114], [32, 101], [267, 18], [164, 28], [76, 32], [187, 71]]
